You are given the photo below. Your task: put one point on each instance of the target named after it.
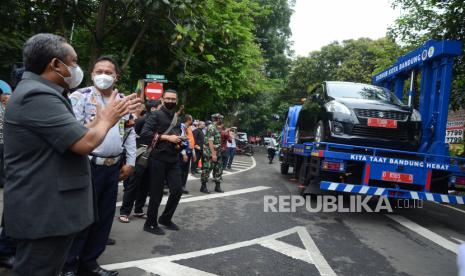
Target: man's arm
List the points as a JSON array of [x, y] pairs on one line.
[[130, 146], [106, 118], [149, 129]]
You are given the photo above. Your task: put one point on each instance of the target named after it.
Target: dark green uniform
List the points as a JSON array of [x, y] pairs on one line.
[[212, 134]]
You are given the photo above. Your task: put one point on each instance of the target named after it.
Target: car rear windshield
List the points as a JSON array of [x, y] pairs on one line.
[[362, 91]]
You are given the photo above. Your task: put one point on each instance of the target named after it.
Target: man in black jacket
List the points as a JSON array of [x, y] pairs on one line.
[[163, 163], [198, 137], [137, 185]]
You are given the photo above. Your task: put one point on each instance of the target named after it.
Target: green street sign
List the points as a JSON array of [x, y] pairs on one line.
[[155, 76]]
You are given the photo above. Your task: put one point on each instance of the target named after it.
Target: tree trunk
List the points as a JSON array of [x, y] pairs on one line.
[[61, 19], [98, 38], [136, 42]]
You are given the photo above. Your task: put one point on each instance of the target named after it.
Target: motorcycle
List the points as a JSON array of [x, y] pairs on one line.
[[244, 148]]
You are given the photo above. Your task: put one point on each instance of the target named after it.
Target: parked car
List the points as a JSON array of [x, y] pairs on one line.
[[242, 136], [358, 114], [266, 141]]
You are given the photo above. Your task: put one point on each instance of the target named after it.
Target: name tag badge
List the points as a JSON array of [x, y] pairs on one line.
[[90, 109]]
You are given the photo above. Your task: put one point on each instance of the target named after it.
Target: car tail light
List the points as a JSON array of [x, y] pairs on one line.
[[457, 180], [333, 165]]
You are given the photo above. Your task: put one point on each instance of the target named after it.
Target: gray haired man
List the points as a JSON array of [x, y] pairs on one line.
[[48, 191]]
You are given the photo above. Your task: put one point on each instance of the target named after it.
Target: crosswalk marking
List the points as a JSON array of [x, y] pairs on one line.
[[165, 266], [235, 169]]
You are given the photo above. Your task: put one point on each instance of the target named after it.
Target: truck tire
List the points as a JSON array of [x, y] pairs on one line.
[[284, 168]]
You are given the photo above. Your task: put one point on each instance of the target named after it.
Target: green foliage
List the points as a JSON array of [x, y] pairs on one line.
[[434, 19], [228, 56], [352, 60]]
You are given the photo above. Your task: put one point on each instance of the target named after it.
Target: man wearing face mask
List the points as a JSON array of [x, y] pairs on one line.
[[163, 163], [105, 167], [211, 161], [48, 194]]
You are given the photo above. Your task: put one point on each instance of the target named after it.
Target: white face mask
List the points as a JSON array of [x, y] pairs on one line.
[[75, 78], [103, 81]]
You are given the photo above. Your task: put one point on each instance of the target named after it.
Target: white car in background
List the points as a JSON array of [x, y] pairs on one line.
[[266, 141], [242, 136]]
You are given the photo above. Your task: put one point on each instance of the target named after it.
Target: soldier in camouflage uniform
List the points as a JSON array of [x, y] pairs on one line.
[[212, 155]]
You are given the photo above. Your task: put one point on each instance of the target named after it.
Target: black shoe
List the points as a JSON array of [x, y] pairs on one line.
[[229, 167], [98, 271], [68, 273], [185, 192], [111, 241], [170, 225], [218, 188], [7, 261], [204, 189], [154, 229]]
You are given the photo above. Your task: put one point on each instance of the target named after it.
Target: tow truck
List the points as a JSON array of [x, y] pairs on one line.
[[429, 173]]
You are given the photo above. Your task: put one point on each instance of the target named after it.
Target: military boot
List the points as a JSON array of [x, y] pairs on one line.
[[218, 188], [204, 188]]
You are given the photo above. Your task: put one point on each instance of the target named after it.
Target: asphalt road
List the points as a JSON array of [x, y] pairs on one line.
[[231, 234]]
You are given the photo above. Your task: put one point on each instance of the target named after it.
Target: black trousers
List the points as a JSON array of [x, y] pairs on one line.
[[184, 169], [135, 194], [41, 257], [90, 243], [7, 244], [271, 153], [159, 171]]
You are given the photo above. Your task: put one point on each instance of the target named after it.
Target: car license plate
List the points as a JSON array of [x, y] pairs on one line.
[[386, 123], [397, 177]]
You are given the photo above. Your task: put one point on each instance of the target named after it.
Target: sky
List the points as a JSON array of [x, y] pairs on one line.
[[316, 23]]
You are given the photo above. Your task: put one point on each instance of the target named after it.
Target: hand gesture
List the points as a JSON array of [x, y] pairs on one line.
[[117, 107]]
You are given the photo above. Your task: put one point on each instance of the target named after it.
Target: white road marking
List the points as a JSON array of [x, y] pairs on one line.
[[426, 233], [318, 259], [190, 198], [242, 162], [288, 250], [253, 165], [163, 200], [173, 269], [458, 240], [241, 166], [451, 207], [164, 265], [225, 194]]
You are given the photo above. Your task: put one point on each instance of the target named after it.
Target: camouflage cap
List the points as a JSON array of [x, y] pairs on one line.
[[217, 116]]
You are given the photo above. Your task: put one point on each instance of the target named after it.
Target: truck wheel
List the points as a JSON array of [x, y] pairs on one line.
[[320, 132], [284, 168]]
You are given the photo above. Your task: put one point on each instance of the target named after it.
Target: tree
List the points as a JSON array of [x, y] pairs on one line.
[[434, 19], [352, 60]]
